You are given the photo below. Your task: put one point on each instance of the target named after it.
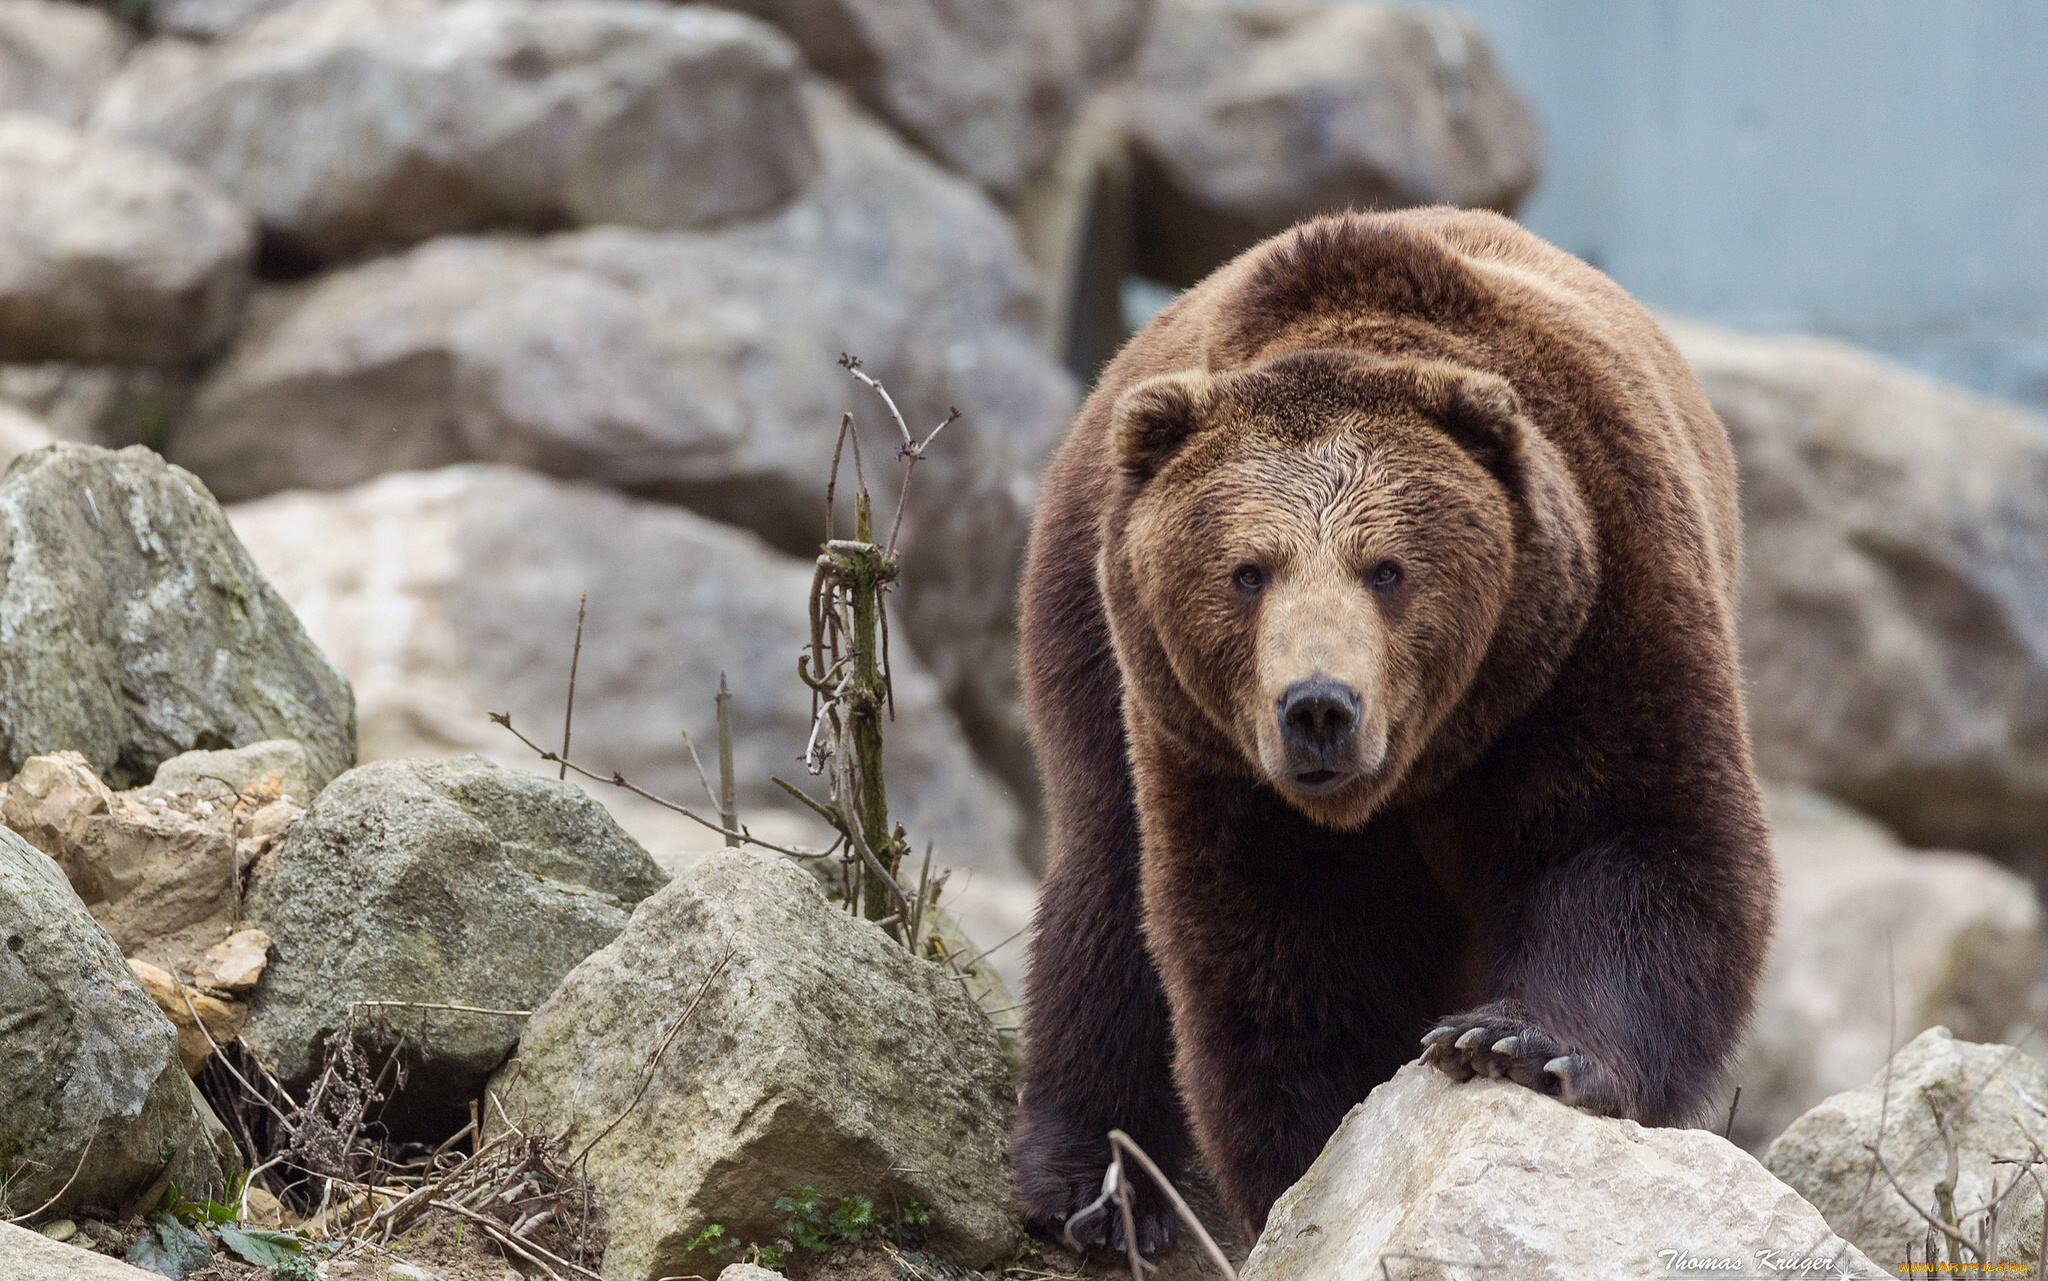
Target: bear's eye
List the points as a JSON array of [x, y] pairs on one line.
[[1385, 576], [1248, 578]]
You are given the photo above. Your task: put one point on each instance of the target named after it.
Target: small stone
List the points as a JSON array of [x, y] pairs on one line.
[[218, 1019], [234, 964], [260, 1209], [61, 1230]]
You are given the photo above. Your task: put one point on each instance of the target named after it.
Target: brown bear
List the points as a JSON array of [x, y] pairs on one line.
[[1379, 652]]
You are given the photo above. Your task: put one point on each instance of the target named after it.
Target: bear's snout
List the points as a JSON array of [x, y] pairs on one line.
[[1319, 726]]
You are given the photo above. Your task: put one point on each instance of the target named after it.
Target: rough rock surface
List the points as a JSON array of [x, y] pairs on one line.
[[89, 1074], [1992, 1098], [134, 627], [822, 1054], [1492, 1174], [1895, 610], [31, 1256], [450, 594], [986, 87], [1248, 118], [1874, 941], [56, 57], [352, 124], [455, 882], [111, 252], [698, 368]]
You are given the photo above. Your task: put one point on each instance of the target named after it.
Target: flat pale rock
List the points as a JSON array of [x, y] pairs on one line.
[[55, 57], [404, 581], [31, 1256], [1895, 592], [138, 628], [1874, 942], [1248, 118], [823, 1053], [349, 125], [1437, 1180], [113, 253], [1992, 1097], [91, 1091]]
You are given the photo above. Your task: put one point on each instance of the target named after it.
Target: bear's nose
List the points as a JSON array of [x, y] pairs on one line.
[[1318, 715]]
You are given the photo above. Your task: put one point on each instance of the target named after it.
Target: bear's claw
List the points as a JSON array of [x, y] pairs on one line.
[[1499, 1046]]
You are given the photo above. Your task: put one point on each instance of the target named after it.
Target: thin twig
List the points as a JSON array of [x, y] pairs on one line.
[[439, 1005], [575, 657], [728, 802]]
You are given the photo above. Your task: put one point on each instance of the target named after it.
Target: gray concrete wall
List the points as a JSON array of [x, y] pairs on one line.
[[1876, 169]]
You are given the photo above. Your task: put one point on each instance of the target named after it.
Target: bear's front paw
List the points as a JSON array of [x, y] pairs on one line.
[[1493, 1043], [1060, 1175]]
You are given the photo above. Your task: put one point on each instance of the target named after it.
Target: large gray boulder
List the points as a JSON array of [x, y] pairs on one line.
[[1247, 118], [451, 882], [821, 1054], [91, 1091], [111, 252], [1991, 1098], [352, 124], [1431, 1179], [1895, 600], [985, 87], [55, 57], [138, 628], [451, 594], [698, 367], [1875, 942]]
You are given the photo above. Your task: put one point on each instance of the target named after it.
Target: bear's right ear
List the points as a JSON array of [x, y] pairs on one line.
[[1154, 419]]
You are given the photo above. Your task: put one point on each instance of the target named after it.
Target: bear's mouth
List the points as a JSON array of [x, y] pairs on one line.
[[1318, 780]]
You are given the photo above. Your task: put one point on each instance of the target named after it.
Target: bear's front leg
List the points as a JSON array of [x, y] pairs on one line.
[[1623, 976]]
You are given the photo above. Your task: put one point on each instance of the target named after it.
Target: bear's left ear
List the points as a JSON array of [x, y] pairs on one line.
[[1480, 411], [1154, 419]]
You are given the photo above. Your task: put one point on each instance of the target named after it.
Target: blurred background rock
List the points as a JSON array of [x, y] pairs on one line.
[[469, 307]]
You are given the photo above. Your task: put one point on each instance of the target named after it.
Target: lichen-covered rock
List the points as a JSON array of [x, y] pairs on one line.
[[454, 882], [1994, 1101], [353, 124], [133, 626], [821, 1054], [111, 252], [55, 57], [1248, 118], [1874, 942], [698, 368], [1443, 1180], [986, 87], [91, 1091], [1895, 594]]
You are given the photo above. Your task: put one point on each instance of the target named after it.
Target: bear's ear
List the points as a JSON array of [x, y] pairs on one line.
[[1154, 419], [1480, 411]]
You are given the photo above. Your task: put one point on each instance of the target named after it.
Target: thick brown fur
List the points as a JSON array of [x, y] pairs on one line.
[[1461, 475]]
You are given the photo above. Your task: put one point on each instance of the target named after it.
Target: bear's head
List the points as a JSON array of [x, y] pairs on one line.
[[1338, 573]]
